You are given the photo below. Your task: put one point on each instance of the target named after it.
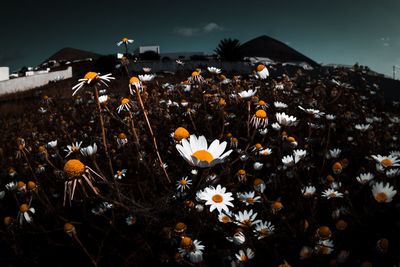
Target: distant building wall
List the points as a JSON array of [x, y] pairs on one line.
[[4, 73], [26, 83], [154, 48]]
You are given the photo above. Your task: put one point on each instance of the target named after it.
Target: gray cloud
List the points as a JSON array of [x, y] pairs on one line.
[[192, 31]]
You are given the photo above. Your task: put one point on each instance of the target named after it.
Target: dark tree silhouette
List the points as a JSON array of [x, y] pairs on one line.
[[229, 50]]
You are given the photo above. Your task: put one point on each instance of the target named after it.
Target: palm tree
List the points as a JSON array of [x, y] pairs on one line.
[[229, 50]]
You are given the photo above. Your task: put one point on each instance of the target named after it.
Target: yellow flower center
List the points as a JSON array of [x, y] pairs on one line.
[[243, 258], [181, 133], [229, 135], [23, 208], [203, 155], [261, 114], [241, 172], [125, 40], [258, 146], [91, 75], [74, 168], [134, 80], [45, 97], [195, 73], [221, 102], [41, 149], [217, 198], [381, 197], [260, 67], [234, 140], [183, 182], [386, 163], [124, 101], [261, 103], [120, 173], [122, 136]]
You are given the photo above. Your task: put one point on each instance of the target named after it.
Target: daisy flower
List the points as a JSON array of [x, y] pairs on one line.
[[248, 198], [330, 117], [364, 178], [146, 77], [288, 160], [363, 127], [262, 72], [248, 93], [120, 174], [89, 151], [264, 229], [383, 193], [125, 105], [225, 217], [276, 126], [92, 78], [136, 83], [260, 118], [246, 218], [245, 256], [261, 105], [194, 251], [285, 120], [265, 152], [183, 184], [331, 193], [238, 238], [324, 247], [25, 214], [76, 172], [280, 105], [217, 198], [392, 173], [52, 144], [314, 112], [214, 70], [299, 154], [196, 152], [334, 153], [125, 41], [386, 161], [259, 185], [122, 140], [196, 77], [308, 191], [74, 148]]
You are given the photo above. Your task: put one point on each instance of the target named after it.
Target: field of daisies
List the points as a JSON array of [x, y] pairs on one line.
[[202, 168]]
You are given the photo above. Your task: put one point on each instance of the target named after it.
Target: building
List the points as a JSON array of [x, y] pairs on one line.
[[152, 48]]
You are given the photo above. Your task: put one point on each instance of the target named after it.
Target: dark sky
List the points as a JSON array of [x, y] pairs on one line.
[[337, 31]]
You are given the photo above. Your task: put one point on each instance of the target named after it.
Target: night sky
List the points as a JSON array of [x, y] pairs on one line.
[[338, 31]]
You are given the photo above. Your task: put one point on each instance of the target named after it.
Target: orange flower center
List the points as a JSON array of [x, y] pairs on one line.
[[134, 80], [122, 136], [68, 227], [241, 172], [386, 163], [180, 226], [181, 133], [91, 75], [183, 182], [264, 232], [225, 219], [381, 197], [261, 103], [261, 114], [243, 258], [217, 198], [124, 101], [203, 155], [277, 205], [258, 182], [74, 168], [186, 242], [250, 200], [125, 40], [195, 73], [24, 208], [260, 67]]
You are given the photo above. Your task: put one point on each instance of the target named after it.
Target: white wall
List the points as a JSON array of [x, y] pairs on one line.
[[26, 83], [4, 73]]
